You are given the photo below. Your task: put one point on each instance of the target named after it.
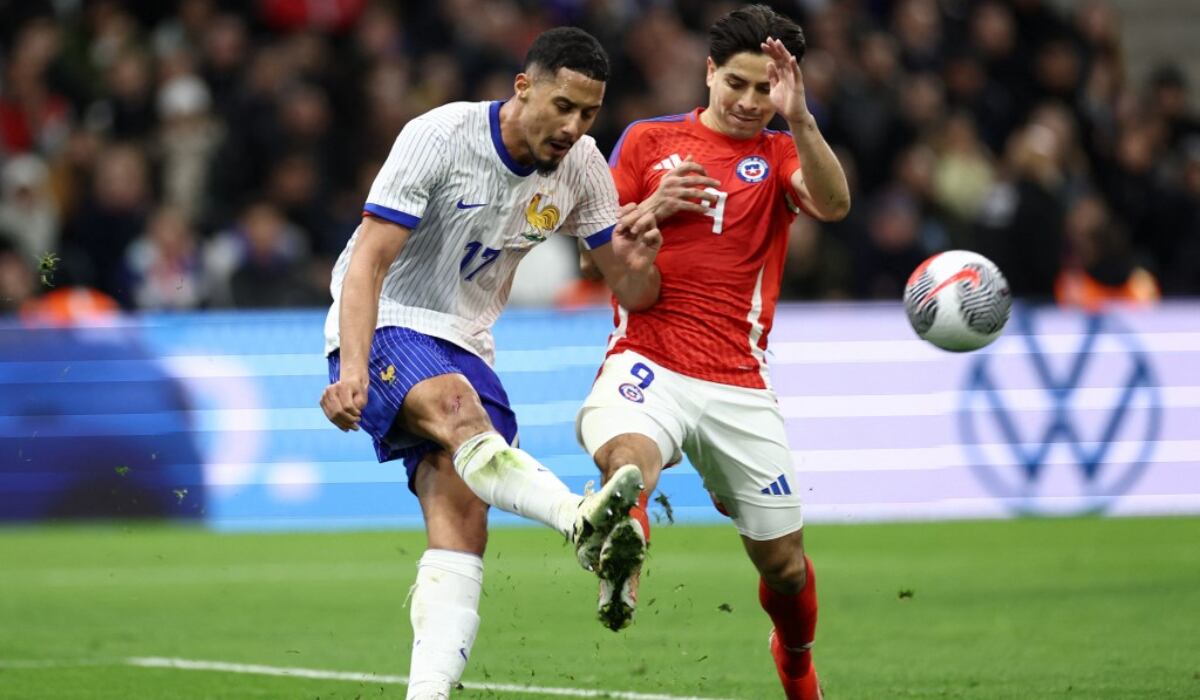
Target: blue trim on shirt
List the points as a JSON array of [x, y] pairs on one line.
[[393, 215], [599, 238], [616, 152], [498, 142]]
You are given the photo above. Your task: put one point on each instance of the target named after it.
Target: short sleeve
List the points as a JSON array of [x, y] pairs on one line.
[[788, 160], [595, 214], [625, 163], [414, 168], [789, 163]]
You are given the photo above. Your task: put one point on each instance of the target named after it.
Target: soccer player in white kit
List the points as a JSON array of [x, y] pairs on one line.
[[467, 191]]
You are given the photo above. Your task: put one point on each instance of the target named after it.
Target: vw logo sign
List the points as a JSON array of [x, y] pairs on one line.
[[1067, 423]]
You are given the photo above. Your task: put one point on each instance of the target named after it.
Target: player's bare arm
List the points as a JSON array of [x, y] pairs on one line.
[[378, 244], [628, 263], [821, 185]]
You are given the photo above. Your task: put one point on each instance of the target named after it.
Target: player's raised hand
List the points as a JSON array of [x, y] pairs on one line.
[[682, 189], [786, 80], [343, 403], [636, 238]]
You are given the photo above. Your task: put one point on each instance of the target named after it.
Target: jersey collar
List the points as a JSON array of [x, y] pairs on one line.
[[694, 119], [498, 142]]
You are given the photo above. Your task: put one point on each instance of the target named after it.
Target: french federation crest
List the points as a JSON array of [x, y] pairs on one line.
[[753, 169], [541, 221]]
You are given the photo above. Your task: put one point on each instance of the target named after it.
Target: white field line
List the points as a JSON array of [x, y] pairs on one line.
[[24, 664], [319, 674]]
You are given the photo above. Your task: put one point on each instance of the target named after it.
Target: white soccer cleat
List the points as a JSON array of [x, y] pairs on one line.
[[600, 512], [620, 569]]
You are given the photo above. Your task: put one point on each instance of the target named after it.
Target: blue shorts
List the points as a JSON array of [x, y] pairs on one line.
[[400, 359]]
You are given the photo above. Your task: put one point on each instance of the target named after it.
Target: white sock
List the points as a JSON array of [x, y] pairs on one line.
[[512, 480], [445, 618]]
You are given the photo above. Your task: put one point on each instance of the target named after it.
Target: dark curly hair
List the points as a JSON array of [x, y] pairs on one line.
[[570, 48]]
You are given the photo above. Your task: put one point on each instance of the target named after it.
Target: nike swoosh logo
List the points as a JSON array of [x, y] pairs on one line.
[[966, 274], [464, 205]]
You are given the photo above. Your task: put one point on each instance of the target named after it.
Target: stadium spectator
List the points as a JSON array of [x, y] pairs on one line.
[[108, 219], [28, 211], [261, 262], [165, 265], [1103, 270], [187, 140], [1021, 224], [226, 103]]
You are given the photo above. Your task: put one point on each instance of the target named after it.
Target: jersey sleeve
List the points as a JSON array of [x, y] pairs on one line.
[[788, 160], [626, 165], [414, 168], [789, 163], [593, 218]]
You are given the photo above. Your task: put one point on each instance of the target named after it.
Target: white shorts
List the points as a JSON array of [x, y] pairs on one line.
[[734, 437]]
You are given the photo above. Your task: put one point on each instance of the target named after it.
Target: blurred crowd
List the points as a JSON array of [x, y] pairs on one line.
[[200, 153]]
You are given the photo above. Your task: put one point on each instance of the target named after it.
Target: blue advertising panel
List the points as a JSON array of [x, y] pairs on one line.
[[215, 416]]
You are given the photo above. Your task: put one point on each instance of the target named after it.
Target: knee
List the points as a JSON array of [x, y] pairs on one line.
[[785, 573], [464, 420], [451, 417]]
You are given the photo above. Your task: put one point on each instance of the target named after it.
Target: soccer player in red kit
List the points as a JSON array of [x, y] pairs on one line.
[[689, 375]]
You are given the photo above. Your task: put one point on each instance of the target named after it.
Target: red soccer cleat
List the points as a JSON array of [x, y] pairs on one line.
[[795, 687]]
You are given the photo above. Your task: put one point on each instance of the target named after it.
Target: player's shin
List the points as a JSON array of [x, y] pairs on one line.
[[512, 480], [795, 619], [444, 606]]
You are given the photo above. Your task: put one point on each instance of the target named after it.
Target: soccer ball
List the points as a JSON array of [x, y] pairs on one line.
[[957, 300]]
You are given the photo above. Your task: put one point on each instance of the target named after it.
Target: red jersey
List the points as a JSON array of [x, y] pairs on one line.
[[720, 270]]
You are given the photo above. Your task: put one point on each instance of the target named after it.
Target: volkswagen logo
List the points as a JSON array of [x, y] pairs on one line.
[[1067, 423]]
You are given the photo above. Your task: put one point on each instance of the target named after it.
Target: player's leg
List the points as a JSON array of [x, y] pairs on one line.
[[447, 410], [444, 605], [632, 448], [750, 473], [624, 423], [787, 591], [450, 410]]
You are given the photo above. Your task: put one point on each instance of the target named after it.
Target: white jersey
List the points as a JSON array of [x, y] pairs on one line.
[[474, 213]]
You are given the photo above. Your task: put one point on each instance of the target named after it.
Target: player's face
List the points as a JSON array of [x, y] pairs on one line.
[[557, 110], [739, 96]]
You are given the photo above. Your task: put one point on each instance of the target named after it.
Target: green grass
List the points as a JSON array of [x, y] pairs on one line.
[[1021, 609]]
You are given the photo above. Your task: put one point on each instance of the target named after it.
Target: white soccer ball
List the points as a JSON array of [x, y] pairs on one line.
[[958, 300]]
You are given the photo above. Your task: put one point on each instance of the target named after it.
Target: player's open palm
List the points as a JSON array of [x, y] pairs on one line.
[[636, 238], [683, 189], [343, 403], [786, 81]]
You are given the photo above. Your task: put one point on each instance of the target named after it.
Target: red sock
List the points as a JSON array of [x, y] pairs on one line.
[[795, 618], [638, 513]]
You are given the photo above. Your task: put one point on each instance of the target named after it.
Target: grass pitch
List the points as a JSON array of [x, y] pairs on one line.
[[1021, 609]]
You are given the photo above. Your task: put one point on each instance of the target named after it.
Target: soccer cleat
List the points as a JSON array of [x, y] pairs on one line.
[[600, 512], [802, 687], [620, 568]]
